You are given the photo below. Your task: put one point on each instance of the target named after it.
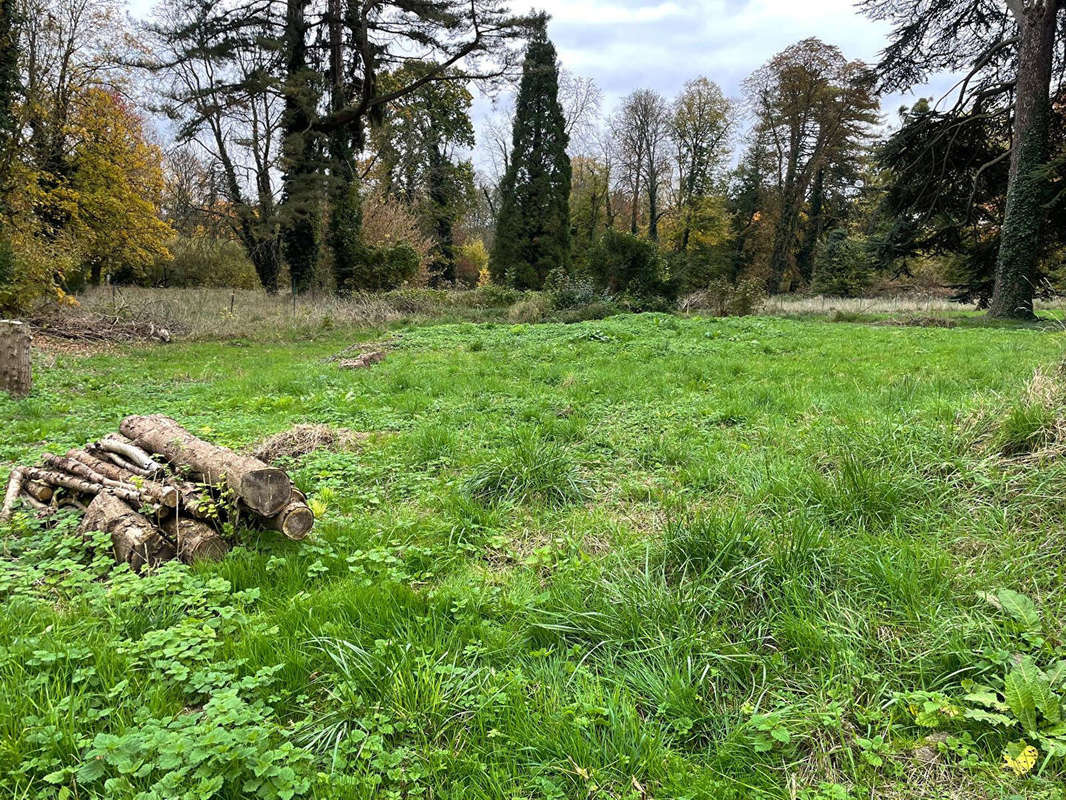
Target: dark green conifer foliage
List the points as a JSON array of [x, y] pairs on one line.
[[302, 160], [533, 228]]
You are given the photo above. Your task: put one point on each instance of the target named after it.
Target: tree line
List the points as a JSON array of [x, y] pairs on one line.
[[326, 145]]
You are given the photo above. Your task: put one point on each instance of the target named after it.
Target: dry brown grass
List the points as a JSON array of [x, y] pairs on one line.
[[201, 314], [301, 440]]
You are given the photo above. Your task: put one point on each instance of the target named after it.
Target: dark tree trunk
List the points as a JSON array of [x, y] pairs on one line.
[[653, 206], [1023, 220], [785, 229], [300, 200], [815, 227]]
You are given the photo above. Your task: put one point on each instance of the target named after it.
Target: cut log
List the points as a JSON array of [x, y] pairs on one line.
[[41, 492], [295, 520], [264, 489], [135, 540], [195, 540], [11, 496], [129, 452], [196, 502], [160, 493], [16, 375]]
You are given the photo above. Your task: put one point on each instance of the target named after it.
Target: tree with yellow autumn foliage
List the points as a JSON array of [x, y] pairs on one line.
[[117, 187]]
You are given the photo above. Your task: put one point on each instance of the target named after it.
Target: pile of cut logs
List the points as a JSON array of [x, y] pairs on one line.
[[161, 492]]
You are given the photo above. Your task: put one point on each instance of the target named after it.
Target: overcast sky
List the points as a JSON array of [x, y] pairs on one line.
[[625, 44]]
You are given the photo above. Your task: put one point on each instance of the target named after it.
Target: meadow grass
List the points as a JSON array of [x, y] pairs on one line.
[[641, 557]]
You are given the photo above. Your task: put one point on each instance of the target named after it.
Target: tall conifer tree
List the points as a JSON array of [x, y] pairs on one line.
[[533, 228]]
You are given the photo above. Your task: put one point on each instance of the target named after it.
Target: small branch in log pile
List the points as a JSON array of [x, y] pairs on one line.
[[152, 492], [11, 495], [129, 452], [117, 460], [41, 492], [81, 486], [160, 493], [33, 502]]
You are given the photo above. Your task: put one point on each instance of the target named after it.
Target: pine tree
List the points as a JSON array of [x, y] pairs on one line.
[[533, 228]]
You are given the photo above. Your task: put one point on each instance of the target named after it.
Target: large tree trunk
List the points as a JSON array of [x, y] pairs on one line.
[[1023, 219], [135, 540], [263, 489], [16, 377]]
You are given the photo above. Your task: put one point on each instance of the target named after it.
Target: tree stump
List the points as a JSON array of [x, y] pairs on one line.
[[15, 375]]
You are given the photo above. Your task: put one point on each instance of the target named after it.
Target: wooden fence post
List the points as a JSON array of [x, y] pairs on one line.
[[15, 374]]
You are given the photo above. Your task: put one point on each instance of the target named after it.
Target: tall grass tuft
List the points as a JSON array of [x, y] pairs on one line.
[[531, 470]]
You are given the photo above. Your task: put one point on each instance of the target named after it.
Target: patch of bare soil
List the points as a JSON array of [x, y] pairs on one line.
[[300, 440]]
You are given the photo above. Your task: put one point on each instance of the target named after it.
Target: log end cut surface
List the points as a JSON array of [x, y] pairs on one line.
[[266, 491]]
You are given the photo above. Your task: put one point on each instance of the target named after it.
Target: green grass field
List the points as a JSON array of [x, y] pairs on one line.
[[641, 557]]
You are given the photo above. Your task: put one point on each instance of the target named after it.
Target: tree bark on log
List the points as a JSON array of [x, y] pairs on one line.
[[14, 486], [195, 541], [135, 540], [264, 489], [16, 374]]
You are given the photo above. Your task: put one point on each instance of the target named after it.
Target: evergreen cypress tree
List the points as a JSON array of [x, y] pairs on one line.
[[533, 228]]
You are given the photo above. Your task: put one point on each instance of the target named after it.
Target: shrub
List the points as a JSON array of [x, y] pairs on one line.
[[492, 295], [471, 260], [625, 264], [387, 223], [572, 291], [203, 261], [600, 310], [32, 268], [724, 299], [841, 268], [532, 309], [383, 267]]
